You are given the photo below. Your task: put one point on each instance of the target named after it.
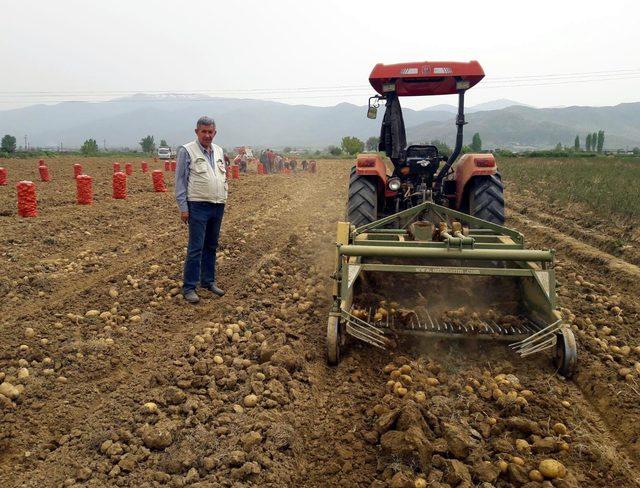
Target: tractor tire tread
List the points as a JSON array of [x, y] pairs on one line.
[[362, 200], [486, 199]]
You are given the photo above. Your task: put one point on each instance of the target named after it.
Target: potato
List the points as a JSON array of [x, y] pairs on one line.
[[432, 381], [550, 468], [420, 483], [535, 475], [522, 445], [502, 465], [150, 407], [388, 368], [405, 369], [405, 379], [250, 401]]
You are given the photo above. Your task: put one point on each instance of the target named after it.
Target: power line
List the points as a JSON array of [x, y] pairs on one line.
[[326, 91], [488, 79]]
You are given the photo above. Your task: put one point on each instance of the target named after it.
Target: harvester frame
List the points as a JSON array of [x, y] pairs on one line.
[[432, 231]]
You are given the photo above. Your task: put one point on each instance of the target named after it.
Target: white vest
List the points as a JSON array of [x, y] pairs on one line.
[[206, 183]]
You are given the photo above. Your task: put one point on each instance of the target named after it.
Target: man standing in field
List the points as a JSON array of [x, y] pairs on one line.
[[201, 193]]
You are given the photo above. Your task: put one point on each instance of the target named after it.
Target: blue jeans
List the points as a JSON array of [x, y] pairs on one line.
[[204, 228]]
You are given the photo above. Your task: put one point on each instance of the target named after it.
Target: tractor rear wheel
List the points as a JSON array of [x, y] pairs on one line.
[[362, 206], [486, 199]]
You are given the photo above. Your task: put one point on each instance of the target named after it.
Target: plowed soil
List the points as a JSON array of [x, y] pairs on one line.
[[110, 379]]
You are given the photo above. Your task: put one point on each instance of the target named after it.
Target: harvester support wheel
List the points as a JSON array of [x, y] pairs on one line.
[[566, 356], [334, 340], [362, 206], [486, 199]]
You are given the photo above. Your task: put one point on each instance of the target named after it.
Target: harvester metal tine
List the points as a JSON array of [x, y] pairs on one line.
[[363, 336], [465, 327], [489, 328], [371, 333], [540, 347], [372, 338], [534, 341], [551, 328], [437, 323], [365, 331]]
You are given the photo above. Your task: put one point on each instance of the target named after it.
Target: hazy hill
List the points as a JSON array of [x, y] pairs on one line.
[[528, 127], [123, 122], [492, 105], [260, 123]]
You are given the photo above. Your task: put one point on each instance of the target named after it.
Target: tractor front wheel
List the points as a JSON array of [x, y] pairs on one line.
[[362, 206], [486, 199]]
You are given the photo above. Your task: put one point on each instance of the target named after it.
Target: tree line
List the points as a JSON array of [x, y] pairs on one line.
[[89, 147], [593, 142]]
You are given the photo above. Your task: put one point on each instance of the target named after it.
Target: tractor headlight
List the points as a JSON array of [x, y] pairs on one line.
[[394, 184]]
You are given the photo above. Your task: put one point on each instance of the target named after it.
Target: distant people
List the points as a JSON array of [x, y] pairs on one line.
[[264, 160], [293, 164], [243, 162], [304, 165], [271, 156], [279, 162]]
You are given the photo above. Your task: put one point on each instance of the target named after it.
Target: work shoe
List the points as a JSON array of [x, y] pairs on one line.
[[191, 296], [214, 289]]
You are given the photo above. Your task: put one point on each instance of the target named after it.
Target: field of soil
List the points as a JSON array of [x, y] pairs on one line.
[[108, 378]]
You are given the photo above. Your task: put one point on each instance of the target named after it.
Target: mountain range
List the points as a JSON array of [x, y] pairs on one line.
[[123, 122]]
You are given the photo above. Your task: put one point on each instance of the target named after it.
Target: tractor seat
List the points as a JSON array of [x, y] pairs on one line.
[[421, 151], [420, 160]]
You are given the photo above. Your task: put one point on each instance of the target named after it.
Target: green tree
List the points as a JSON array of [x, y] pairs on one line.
[[588, 143], [89, 147], [163, 143], [8, 144], [443, 147], [594, 141], [576, 143], [352, 145], [636, 151], [334, 150], [148, 144], [286, 150], [600, 140], [558, 147], [372, 143], [476, 143]]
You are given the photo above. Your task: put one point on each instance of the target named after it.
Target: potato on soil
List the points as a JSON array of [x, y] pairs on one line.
[[550, 468]]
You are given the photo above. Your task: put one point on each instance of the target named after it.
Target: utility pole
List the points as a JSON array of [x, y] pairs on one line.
[[104, 144], [26, 144]]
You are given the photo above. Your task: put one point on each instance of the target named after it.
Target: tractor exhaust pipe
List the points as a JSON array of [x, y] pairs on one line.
[[460, 122]]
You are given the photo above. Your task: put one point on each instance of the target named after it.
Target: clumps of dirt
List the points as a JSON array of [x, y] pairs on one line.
[[430, 296], [435, 428]]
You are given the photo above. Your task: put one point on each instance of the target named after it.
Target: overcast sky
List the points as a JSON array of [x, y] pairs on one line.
[[317, 53]]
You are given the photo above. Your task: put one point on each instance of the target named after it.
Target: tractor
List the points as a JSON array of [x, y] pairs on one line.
[[419, 175], [423, 250]]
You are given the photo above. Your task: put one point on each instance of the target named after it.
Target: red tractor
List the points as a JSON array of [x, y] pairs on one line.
[[473, 186]]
